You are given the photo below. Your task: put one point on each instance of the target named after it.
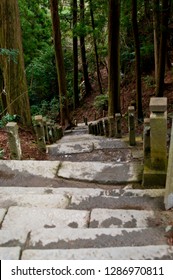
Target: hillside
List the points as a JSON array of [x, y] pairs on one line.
[[87, 109]]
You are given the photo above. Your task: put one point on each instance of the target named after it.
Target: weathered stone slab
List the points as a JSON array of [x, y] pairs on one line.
[[70, 148], [46, 169], [2, 214], [10, 253], [11, 238], [100, 172], [34, 200], [161, 252], [26, 219], [94, 237], [120, 218]]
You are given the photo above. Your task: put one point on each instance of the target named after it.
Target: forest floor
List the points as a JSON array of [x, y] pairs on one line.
[[87, 109]]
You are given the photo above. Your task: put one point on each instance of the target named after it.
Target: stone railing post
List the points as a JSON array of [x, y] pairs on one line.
[[118, 125], [155, 166], [131, 125], [39, 128], [168, 200], [111, 126], [146, 139], [101, 128], [158, 124], [45, 129], [14, 141], [106, 125]]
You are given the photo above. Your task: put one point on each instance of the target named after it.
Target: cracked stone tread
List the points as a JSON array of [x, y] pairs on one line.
[[122, 253], [95, 237], [26, 219], [2, 214]]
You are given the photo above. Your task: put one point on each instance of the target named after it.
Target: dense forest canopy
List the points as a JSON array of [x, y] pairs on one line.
[[129, 38]]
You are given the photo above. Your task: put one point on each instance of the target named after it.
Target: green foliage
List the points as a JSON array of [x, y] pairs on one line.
[[10, 53], [42, 77], [50, 109], [101, 102], [36, 27], [8, 118]]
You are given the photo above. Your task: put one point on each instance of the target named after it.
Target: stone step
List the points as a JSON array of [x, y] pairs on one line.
[[26, 218], [84, 198], [101, 172], [30, 218], [123, 253], [89, 171], [62, 238], [76, 238]]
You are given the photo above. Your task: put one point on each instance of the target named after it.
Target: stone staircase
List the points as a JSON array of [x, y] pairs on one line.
[[62, 219], [72, 223]]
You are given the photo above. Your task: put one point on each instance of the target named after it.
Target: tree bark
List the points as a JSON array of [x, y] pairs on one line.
[[64, 111], [163, 48], [15, 96], [137, 62], [114, 58], [95, 48], [83, 52], [75, 56], [156, 27]]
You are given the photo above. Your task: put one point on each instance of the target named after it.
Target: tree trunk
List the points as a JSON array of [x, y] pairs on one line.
[[83, 52], [75, 56], [137, 62], [156, 27], [15, 96], [114, 57], [95, 48], [163, 48], [64, 112]]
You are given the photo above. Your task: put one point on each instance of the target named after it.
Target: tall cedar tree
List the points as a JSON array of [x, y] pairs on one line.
[[64, 112], [83, 51], [156, 27], [95, 47], [114, 57], [163, 47], [138, 61], [15, 98], [75, 56]]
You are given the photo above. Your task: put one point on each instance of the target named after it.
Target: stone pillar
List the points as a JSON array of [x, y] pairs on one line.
[[39, 128], [155, 166], [90, 130], [146, 140], [118, 125], [45, 129], [50, 132], [158, 124], [111, 126], [131, 125], [106, 124], [101, 128], [58, 132], [14, 141], [168, 200]]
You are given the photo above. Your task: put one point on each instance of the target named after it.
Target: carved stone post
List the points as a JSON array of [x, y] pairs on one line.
[[146, 139], [131, 125], [14, 141], [111, 126], [106, 124], [39, 128], [155, 166], [118, 125]]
